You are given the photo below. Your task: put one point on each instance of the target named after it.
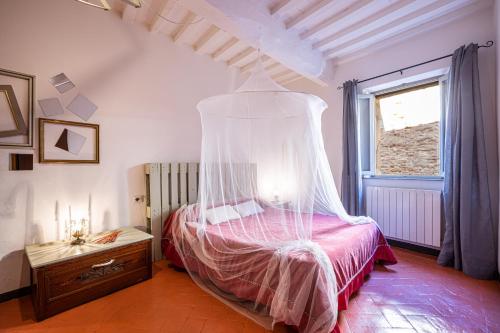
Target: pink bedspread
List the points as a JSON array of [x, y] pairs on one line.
[[352, 250]]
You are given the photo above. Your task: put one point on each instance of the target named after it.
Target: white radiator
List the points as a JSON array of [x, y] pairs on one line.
[[412, 215]]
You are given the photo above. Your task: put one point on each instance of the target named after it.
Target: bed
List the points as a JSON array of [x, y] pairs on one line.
[[351, 249]]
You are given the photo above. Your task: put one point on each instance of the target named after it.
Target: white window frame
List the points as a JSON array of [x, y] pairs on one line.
[[371, 103], [442, 81]]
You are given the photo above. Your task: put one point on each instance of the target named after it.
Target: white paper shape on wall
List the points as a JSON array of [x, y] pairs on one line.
[[82, 107], [62, 83], [71, 141], [51, 106]]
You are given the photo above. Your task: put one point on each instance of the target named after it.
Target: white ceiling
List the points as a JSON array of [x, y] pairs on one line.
[[340, 29], [318, 30], [203, 36]]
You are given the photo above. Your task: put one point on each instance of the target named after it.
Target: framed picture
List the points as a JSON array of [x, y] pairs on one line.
[[67, 141], [16, 109]]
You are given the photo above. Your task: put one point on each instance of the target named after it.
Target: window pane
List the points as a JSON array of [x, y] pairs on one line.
[[407, 132]]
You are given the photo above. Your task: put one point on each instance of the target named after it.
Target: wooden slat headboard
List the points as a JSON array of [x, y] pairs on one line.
[[168, 186]]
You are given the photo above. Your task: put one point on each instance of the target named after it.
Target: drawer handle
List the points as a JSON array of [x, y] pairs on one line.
[[104, 264]]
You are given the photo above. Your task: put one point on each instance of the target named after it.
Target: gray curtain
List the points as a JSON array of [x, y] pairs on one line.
[[350, 193], [470, 241]]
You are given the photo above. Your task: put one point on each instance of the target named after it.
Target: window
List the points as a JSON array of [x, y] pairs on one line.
[[400, 131]]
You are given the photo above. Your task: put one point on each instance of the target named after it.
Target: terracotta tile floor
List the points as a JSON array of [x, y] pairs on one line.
[[415, 295]]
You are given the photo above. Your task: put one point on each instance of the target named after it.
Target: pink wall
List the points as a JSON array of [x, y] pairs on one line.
[[146, 89]]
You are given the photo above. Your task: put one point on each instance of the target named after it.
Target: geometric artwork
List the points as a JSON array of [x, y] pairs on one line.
[[70, 141], [16, 109], [82, 107], [61, 83], [12, 123], [63, 141], [51, 106]]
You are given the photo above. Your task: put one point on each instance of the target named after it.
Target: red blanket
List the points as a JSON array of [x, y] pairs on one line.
[[352, 250]]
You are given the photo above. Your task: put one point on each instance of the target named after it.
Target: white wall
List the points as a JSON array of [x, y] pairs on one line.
[[146, 89], [477, 27]]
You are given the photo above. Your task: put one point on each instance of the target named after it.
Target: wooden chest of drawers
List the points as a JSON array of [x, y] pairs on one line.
[[73, 280]]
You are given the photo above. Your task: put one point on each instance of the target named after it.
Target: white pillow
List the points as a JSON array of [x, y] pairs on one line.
[[221, 214], [248, 208]]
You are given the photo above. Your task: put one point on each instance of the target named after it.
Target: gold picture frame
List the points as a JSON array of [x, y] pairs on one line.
[[55, 146], [17, 90]]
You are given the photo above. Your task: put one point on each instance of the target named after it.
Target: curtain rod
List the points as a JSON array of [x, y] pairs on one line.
[[488, 44]]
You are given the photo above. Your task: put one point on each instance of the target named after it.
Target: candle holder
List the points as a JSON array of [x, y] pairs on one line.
[[77, 231], [77, 241]]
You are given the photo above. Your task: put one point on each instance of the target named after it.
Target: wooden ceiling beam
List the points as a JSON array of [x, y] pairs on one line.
[[308, 12], [225, 13], [207, 35], [158, 22], [135, 3], [241, 55], [183, 26], [280, 7], [362, 23], [326, 23], [291, 79], [276, 77], [399, 23], [463, 11], [272, 66], [264, 58], [103, 4], [226, 46]]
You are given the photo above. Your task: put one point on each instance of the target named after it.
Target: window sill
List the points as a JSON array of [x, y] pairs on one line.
[[420, 178]]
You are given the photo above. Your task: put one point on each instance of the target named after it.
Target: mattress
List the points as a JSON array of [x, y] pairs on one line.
[[351, 249]]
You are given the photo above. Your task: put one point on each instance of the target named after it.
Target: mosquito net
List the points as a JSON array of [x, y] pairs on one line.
[[264, 178]]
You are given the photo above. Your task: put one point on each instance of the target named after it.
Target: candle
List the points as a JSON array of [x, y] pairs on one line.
[[78, 225]]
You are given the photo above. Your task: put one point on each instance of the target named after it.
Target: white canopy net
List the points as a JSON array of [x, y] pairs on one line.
[[264, 177]]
